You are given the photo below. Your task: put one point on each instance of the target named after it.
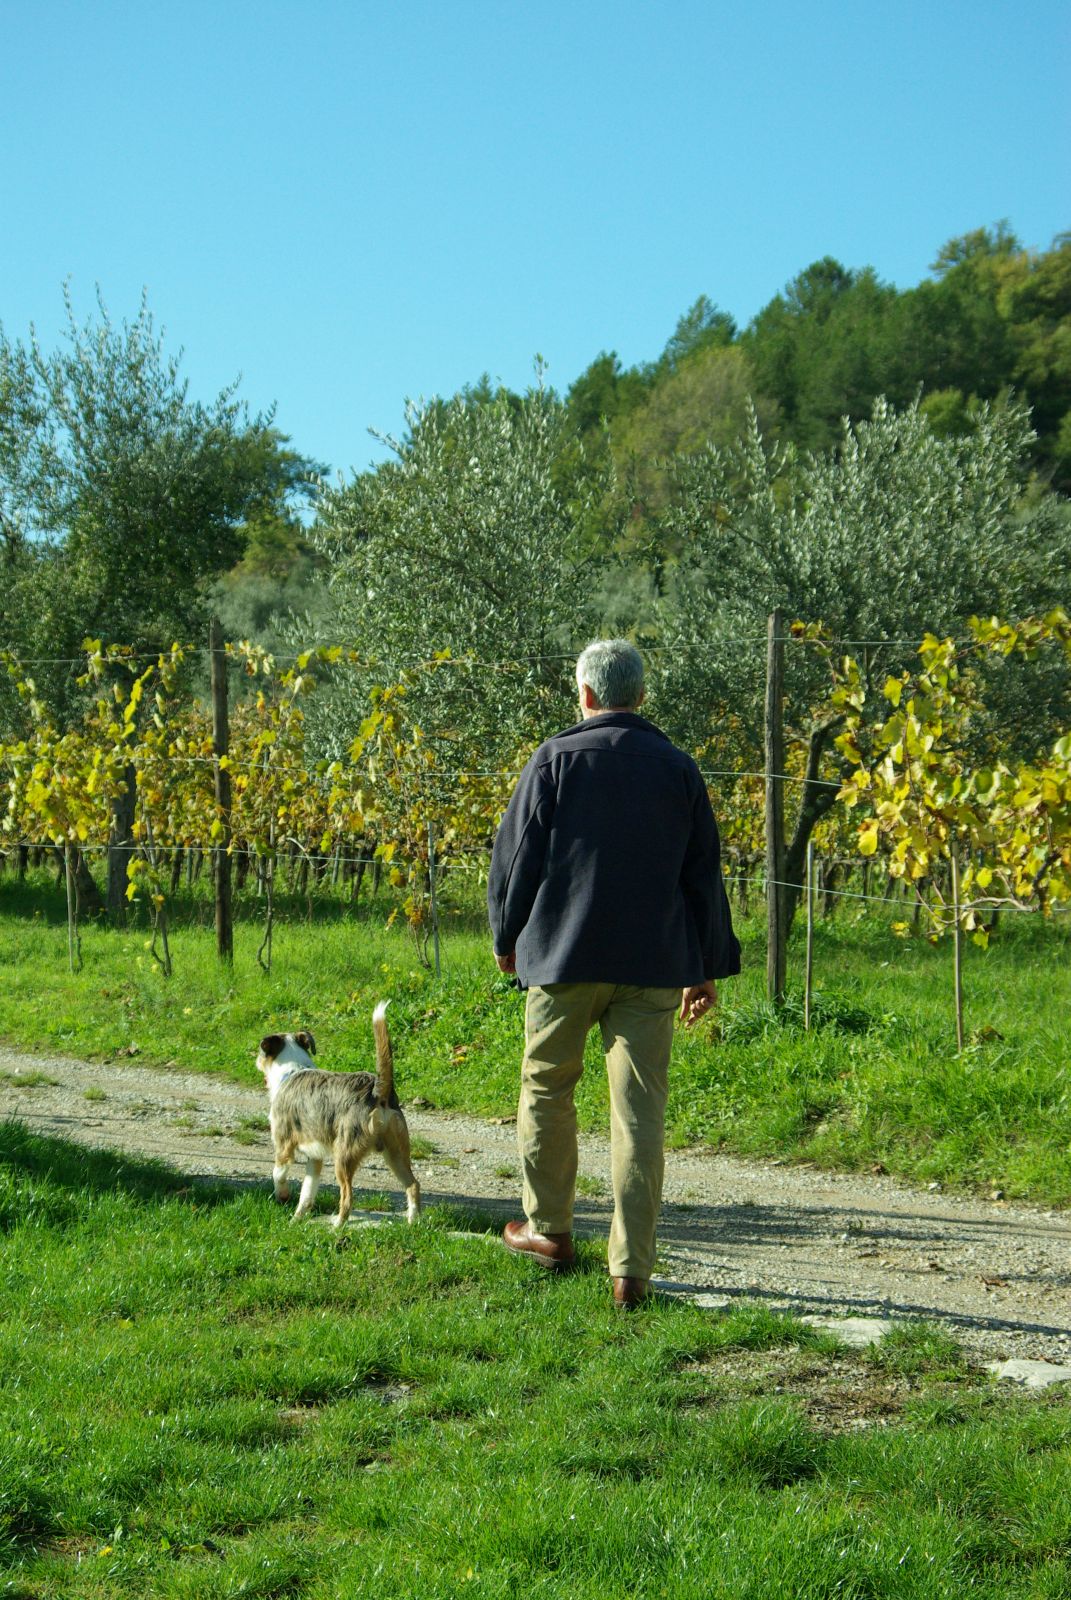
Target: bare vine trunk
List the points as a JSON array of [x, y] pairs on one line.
[[816, 799], [121, 848]]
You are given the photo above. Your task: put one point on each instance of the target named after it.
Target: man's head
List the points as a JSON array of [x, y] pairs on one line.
[[609, 677]]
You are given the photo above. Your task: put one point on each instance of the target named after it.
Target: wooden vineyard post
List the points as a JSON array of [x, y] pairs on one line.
[[74, 942], [775, 815], [809, 968], [220, 747], [268, 880], [434, 901], [957, 946]]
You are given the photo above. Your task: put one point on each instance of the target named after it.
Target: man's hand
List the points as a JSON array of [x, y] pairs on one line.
[[696, 1001], [507, 963]]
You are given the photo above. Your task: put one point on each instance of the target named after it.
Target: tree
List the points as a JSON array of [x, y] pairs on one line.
[[472, 541], [896, 533], [603, 391], [120, 496], [826, 348], [1039, 310], [705, 399], [704, 326]]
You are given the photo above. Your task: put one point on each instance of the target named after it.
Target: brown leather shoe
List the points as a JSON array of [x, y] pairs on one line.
[[552, 1250], [630, 1292]]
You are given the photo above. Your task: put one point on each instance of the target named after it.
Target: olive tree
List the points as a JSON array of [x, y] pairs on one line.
[[121, 496], [894, 533], [474, 540]]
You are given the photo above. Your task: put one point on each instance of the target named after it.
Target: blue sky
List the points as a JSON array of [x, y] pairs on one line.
[[349, 204]]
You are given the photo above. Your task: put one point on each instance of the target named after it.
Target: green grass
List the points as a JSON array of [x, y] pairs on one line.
[[877, 1080], [250, 1130], [202, 1401]]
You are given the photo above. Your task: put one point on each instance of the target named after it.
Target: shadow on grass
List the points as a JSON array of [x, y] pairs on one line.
[[447, 1216], [40, 898], [42, 1175]]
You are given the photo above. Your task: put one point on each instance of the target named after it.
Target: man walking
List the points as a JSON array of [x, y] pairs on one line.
[[606, 899]]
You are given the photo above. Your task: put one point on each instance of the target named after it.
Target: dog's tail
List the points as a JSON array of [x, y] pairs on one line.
[[384, 1059]]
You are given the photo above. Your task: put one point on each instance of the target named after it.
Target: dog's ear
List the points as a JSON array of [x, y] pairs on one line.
[[271, 1046], [306, 1041]]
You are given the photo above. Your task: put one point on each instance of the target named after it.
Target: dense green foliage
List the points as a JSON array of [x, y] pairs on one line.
[[994, 317], [122, 498], [470, 542]]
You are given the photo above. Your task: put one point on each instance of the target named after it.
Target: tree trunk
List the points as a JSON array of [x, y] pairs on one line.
[[90, 900], [121, 848], [816, 800], [355, 881]]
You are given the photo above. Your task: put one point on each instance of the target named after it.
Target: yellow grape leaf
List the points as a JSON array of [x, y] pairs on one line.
[[868, 839]]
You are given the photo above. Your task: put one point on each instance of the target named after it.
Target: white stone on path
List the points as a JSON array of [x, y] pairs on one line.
[[856, 1332], [1032, 1374]]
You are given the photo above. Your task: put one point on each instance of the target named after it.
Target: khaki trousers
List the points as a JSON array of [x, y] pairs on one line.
[[637, 1035]]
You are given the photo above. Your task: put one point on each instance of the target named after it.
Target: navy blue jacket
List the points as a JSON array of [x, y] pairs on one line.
[[607, 866]]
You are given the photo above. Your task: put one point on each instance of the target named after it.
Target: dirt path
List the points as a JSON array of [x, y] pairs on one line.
[[812, 1242]]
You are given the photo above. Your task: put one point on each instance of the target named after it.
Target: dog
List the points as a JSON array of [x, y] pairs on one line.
[[341, 1115]]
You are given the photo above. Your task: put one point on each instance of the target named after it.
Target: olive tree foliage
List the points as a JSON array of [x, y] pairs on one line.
[[476, 540], [121, 497], [894, 533]]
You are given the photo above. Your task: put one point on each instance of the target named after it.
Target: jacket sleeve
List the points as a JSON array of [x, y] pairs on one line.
[[518, 855], [704, 892]]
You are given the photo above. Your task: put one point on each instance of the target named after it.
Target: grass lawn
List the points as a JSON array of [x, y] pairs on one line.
[[202, 1401], [877, 1080]]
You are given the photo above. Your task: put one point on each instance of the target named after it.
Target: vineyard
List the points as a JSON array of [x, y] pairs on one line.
[[155, 780]]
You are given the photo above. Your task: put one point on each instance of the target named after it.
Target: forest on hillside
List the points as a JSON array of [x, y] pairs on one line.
[[992, 320]]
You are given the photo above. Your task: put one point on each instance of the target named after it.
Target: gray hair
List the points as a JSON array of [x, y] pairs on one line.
[[613, 671]]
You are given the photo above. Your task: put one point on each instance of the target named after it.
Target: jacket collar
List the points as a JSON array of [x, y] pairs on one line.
[[613, 719]]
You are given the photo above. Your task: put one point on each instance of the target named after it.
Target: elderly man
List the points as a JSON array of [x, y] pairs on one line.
[[606, 899]]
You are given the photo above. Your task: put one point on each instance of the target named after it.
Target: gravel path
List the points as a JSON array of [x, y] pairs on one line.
[[998, 1275]]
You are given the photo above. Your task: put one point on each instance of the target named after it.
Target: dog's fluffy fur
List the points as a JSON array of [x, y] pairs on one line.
[[341, 1115]]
